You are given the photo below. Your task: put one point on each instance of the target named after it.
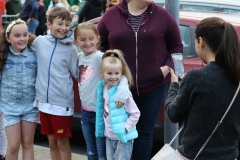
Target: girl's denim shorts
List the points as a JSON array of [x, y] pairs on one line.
[[14, 112]]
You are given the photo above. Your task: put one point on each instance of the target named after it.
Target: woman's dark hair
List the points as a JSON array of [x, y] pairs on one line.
[[222, 39]]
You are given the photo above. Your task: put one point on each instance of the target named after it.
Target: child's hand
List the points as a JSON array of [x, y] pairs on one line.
[[119, 104]]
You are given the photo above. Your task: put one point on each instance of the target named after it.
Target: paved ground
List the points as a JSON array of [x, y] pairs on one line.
[[43, 153]]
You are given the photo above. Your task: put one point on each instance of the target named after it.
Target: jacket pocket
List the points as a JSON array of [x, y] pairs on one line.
[[150, 74], [31, 68], [8, 68]]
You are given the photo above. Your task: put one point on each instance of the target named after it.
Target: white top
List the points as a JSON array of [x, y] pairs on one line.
[[53, 109], [89, 75]]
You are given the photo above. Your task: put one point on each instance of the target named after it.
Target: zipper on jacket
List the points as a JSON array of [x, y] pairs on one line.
[[137, 61], [136, 52], [50, 67]]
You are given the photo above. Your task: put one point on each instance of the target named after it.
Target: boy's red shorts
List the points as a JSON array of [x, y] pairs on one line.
[[60, 126]]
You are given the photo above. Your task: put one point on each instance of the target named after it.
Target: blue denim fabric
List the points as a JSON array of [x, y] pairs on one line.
[[149, 105], [32, 26], [18, 78], [96, 146], [116, 150], [14, 112]]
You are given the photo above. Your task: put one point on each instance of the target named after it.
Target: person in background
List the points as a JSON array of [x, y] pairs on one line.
[[104, 3], [119, 134], [91, 9], [111, 3], [47, 3], [80, 7], [57, 64], [13, 7], [65, 3], [22, 2], [18, 66], [147, 35], [42, 27], [53, 4], [74, 8], [29, 14], [58, 3]]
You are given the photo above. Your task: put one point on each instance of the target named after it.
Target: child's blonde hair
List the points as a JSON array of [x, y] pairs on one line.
[[85, 25], [112, 57]]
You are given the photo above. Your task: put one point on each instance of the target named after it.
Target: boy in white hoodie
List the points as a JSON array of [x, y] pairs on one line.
[[57, 63]]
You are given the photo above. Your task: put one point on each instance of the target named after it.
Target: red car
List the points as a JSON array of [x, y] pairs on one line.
[[187, 26]]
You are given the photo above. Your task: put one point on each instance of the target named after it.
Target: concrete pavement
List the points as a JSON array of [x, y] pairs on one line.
[[43, 153]]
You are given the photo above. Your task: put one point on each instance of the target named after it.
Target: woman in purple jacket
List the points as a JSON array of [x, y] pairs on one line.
[[148, 35]]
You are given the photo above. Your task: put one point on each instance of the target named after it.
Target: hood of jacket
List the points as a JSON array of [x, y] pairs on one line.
[[66, 40], [96, 2]]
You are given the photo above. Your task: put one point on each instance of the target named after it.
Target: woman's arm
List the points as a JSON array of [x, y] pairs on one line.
[[179, 99], [103, 32]]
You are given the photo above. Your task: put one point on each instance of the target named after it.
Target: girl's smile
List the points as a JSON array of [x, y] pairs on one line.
[[18, 37], [87, 41]]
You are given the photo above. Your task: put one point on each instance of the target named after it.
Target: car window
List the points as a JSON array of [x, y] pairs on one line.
[[195, 7], [187, 35], [228, 10]]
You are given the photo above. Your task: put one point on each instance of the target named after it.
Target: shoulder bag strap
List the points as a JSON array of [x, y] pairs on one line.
[[219, 122]]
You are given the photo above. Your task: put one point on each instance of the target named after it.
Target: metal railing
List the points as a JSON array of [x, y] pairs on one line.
[[8, 18]]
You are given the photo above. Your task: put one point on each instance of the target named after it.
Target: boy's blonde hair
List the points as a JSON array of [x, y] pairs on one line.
[[112, 57], [59, 12]]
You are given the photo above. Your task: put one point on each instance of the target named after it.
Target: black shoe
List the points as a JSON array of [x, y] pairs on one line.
[[2, 157]]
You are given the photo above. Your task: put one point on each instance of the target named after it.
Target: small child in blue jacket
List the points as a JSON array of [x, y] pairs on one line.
[[117, 124]]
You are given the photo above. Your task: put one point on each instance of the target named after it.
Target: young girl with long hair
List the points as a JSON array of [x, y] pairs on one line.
[[87, 38], [117, 124], [18, 70]]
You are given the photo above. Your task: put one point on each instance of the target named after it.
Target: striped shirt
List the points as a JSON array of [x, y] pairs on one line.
[[135, 21]]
